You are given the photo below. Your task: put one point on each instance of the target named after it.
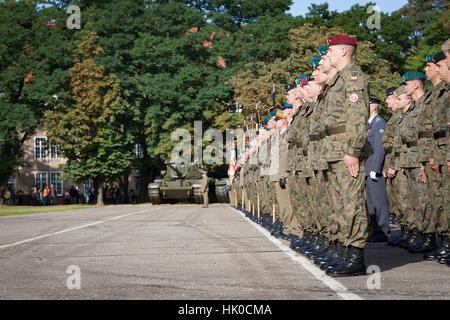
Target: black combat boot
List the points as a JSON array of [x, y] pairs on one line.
[[352, 265], [316, 248], [325, 255], [415, 240], [403, 236], [428, 244], [441, 251], [307, 248], [444, 259], [325, 244], [337, 259], [410, 236]]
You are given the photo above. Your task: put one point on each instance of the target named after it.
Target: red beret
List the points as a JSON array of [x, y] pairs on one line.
[[333, 41]]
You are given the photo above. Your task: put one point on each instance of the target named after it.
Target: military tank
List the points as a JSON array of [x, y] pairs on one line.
[[221, 188], [180, 182]]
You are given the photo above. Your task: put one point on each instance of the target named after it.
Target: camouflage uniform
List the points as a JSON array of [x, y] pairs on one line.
[[441, 136], [391, 146], [416, 202], [282, 189], [428, 124], [263, 185], [295, 165], [346, 113], [318, 163]]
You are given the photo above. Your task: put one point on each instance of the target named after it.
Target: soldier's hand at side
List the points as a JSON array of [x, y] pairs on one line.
[[434, 166], [391, 173], [423, 175], [352, 164], [448, 168]]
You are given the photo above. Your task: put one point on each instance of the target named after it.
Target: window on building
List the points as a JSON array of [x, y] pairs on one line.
[[40, 148], [54, 151], [41, 179], [55, 179], [139, 154]]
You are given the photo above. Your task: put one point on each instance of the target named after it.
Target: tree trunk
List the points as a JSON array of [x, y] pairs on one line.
[[98, 186]]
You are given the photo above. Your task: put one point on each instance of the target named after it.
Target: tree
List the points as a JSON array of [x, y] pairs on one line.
[[253, 84], [34, 60], [90, 131]]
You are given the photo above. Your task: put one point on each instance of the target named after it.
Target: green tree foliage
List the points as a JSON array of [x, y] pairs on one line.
[[33, 65], [253, 84], [89, 131], [165, 64]]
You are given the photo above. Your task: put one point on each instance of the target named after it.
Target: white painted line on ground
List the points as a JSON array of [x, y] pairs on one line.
[[319, 274], [4, 246]]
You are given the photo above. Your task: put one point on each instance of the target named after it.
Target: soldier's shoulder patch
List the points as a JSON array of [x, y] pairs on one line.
[[354, 76]]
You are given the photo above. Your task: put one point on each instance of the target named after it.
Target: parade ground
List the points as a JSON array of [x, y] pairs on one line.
[[186, 252]]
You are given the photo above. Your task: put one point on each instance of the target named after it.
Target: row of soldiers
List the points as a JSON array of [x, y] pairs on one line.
[[302, 175]]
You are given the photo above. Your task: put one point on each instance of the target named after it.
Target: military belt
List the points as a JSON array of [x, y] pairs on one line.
[[329, 131], [411, 144], [439, 135], [425, 135]]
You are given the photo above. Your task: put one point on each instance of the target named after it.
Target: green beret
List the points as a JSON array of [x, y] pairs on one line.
[[430, 58], [323, 50], [314, 61], [414, 75]]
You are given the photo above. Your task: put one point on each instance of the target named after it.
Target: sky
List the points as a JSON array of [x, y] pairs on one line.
[[300, 7]]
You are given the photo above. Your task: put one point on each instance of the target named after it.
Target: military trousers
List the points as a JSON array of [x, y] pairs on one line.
[[286, 213], [392, 191], [435, 196], [401, 186], [418, 204], [349, 218], [296, 192], [322, 204], [444, 219], [377, 205]]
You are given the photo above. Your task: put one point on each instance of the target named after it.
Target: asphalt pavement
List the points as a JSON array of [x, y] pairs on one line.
[[186, 252]]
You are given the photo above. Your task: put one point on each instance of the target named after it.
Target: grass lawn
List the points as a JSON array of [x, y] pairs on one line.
[[21, 210]]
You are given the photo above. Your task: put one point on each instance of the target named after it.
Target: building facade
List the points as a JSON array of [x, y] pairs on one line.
[[43, 166]]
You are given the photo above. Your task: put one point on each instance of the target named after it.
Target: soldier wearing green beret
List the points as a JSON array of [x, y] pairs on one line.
[[417, 204]]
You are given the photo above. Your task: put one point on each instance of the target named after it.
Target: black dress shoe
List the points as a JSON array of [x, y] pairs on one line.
[[378, 237], [427, 245], [353, 265]]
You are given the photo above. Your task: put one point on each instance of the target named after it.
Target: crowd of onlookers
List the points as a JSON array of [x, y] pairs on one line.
[[46, 195]]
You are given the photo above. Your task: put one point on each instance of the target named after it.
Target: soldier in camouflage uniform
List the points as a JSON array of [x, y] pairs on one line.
[[396, 187], [294, 161], [346, 114], [426, 147], [441, 153], [417, 200]]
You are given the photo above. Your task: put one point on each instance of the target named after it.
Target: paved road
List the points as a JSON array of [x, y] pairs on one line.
[[184, 252]]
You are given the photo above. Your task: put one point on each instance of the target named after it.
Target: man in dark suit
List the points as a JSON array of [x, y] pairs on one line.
[[376, 198]]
